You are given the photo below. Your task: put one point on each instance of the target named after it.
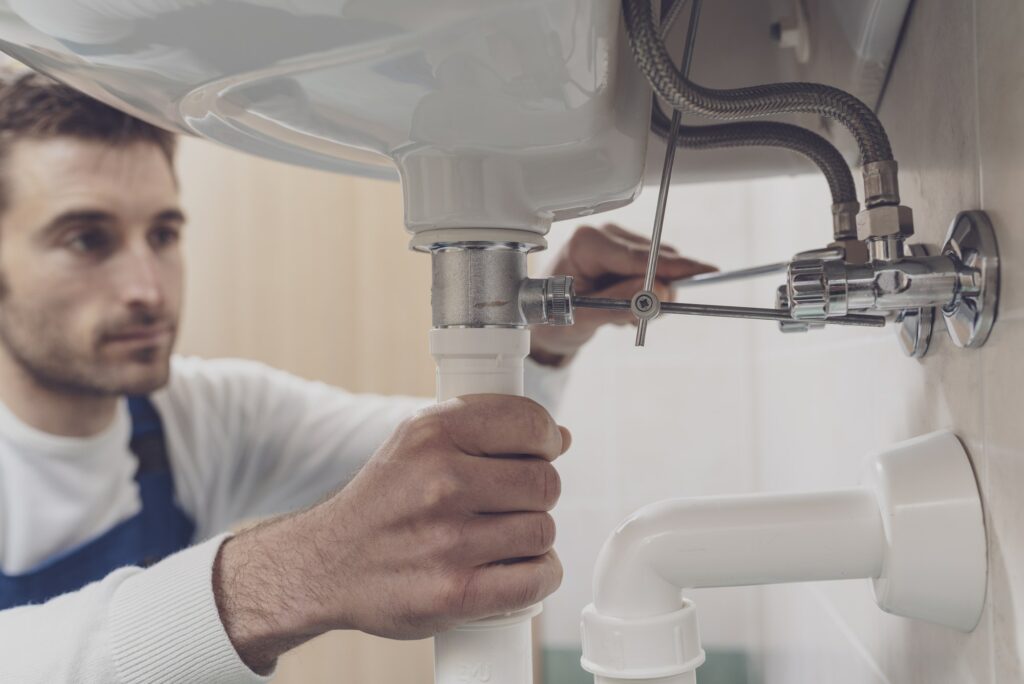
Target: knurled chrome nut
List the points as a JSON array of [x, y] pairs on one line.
[[782, 304], [806, 292], [817, 289], [887, 221], [561, 300]]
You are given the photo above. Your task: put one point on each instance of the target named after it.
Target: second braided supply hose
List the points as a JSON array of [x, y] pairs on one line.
[[817, 149], [751, 102]]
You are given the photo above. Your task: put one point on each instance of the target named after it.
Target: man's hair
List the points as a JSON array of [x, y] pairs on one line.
[[35, 107]]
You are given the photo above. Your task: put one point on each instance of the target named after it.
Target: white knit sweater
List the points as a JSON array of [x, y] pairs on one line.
[[244, 440]]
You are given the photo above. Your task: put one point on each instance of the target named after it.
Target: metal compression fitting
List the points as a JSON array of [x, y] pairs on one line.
[[746, 103]]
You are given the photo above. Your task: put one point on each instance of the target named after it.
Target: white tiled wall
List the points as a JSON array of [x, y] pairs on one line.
[[714, 406]]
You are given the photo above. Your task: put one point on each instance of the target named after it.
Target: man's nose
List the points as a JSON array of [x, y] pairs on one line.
[[139, 281]]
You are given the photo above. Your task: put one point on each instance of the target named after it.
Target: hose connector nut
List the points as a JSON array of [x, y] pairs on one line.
[[844, 220], [881, 183], [885, 222], [884, 229]]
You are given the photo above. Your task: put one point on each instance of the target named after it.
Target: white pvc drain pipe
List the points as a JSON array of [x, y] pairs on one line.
[[497, 650]]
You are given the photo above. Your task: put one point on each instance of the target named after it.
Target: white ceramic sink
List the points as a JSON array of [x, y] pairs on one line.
[[494, 113]]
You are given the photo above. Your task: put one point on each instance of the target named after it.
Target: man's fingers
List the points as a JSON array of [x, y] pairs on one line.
[[675, 267], [506, 537], [663, 290], [566, 438], [629, 236], [511, 484], [600, 253], [635, 238], [597, 254], [506, 587], [497, 424]]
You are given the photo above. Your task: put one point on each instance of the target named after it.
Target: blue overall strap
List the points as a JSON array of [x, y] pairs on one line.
[[166, 528], [159, 529]]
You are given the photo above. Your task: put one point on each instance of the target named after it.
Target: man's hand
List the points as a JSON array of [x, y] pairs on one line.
[[610, 262], [446, 523]]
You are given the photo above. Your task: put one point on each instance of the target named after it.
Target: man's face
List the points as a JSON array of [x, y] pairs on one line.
[[90, 265]]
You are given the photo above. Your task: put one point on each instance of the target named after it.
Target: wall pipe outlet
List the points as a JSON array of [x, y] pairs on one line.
[[915, 528]]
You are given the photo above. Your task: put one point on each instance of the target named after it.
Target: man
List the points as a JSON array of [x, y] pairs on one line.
[[95, 489]]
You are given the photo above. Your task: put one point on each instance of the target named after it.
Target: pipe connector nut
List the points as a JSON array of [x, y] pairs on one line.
[[885, 222], [644, 647]]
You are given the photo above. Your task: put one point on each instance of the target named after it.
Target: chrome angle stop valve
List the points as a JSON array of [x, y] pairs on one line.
[[902, 281]]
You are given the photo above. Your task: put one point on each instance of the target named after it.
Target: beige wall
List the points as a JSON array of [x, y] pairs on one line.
[[306, 270], [309, 272]]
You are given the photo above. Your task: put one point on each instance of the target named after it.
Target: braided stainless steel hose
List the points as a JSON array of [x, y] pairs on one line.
[[767, 134], [751, 102]]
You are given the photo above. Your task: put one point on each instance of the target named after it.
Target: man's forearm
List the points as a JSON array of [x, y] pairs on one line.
[[260, 583], [434, 531]]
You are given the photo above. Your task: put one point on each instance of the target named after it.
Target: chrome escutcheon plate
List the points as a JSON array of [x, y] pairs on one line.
[[972, 241]]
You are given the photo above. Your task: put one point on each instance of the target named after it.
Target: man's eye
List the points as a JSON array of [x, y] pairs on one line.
[[89, 241], [166, 236]]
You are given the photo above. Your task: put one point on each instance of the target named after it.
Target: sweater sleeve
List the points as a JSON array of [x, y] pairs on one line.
[[256, 441], [247, 440], [155, 626]]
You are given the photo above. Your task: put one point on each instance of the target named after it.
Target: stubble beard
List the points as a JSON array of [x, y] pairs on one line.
[[39, 346]]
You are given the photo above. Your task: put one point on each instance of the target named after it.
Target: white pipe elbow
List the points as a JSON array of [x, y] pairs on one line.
[[736, 540], [915, 528], [628, 577]]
